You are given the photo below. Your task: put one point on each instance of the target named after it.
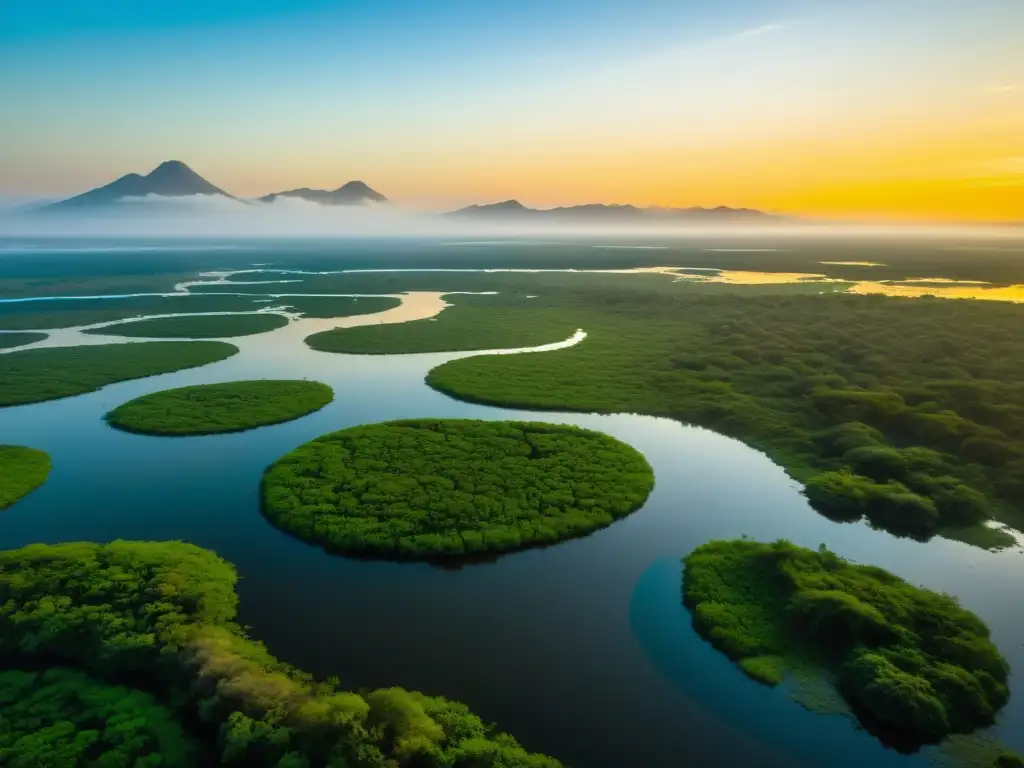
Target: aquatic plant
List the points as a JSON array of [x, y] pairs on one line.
[[906, 658], [162, 614], [229, 407], [452, 487], [22, 470], [35, 375]]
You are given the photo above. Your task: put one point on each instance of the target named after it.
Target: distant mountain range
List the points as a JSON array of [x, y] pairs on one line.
[[170, 179], [174, 179], [353, 193], [514, 211]]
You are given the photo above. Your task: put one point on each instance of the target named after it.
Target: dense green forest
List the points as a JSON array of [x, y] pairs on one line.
[[338, 306], [195, 326], [496, 322], [449, 488], [907, 411], [60, 717], [161, 615], [35, 375], [8, 340], [67, 313], [22, 470], [907, 659], [230, 407]]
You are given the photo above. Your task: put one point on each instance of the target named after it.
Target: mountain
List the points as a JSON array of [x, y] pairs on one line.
[[513, 210], [170, 179], [353, 193]]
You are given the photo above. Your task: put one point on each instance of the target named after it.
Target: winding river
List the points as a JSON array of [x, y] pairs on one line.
[[581, 650]]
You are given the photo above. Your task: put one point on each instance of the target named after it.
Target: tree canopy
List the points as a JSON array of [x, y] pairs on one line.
[[909, 412], [22, 470], [8, 340], [230, 407], [35, 375], [908, 659], [436, 487], [196, 326], [162, 614]]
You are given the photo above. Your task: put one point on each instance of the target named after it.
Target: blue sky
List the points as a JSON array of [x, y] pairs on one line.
[[451, 100]]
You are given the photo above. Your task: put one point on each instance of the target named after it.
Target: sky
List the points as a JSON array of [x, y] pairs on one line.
[[837, 109]]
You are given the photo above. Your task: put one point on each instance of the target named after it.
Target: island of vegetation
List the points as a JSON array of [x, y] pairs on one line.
[[22, 470], [909, 412], [60, 717], [450, 488], [473, 323], [211, 408], [35, 375], [160, 617], [195, 326], [8, 340], [908, 660]]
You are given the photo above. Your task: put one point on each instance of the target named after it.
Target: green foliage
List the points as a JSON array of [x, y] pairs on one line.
[[917, 404], [8, 340], [35, 375], [60, 717], [338, 306], [67, 313], [911, 660], [474, 322], [162, 615], [211, 408], [432, 488], [22, 470], [195, 326]]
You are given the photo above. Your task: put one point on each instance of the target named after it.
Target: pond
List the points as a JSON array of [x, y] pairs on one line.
[[582, 650]]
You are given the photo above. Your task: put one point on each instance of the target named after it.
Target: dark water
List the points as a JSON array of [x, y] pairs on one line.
[[583, 650]]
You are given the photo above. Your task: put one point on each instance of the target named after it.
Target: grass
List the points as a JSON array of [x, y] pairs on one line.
[[36, 375], [909, 412], [196, 326], [162, 616], [450, 488], [22, 470], [8, 340], [912, 663], [475, 322], [214, 408]]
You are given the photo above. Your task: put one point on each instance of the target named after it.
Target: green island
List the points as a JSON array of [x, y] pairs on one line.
[[909, 661], [159, 616], [8, 340], [60, 717], [453, 487], [337, 306], [195, 326], [67, 313], [909, 412], [473, 323], [22, 470], [212, 408], [36, 375]]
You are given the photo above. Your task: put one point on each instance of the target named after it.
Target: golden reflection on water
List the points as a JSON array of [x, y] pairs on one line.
[[946, 291], [853, 263], [740, 277]]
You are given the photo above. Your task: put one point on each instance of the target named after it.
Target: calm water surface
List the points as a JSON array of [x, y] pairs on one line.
[[582, 650]]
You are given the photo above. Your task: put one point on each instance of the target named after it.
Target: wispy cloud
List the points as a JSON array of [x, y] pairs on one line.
[[999, 88], [761, 31]]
